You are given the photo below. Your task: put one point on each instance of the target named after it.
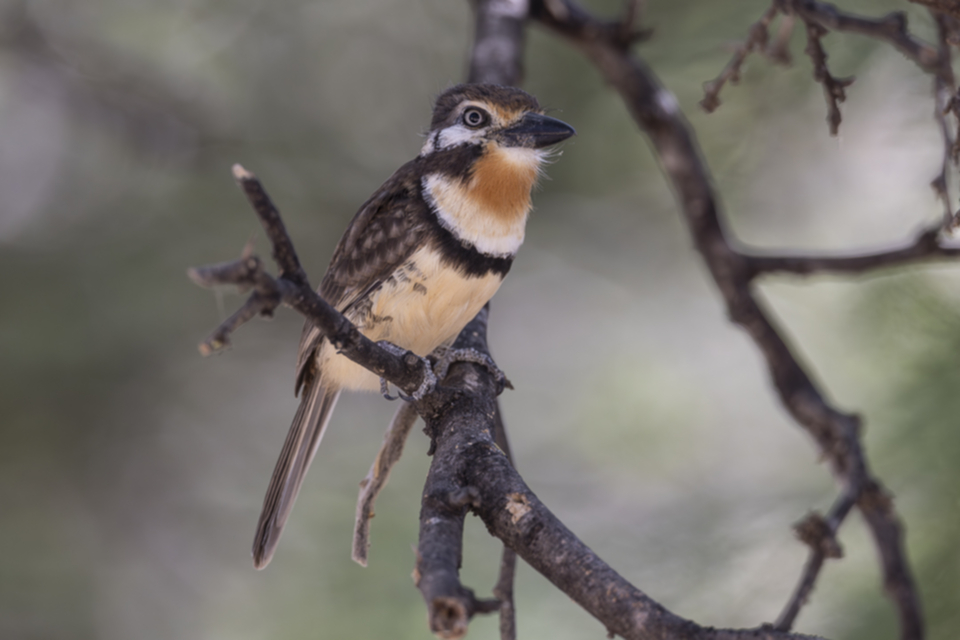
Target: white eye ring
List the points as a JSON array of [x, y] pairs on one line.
[[475, 117]]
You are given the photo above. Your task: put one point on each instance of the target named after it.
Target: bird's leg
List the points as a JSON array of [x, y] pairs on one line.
[[445, 357], [429, 378]]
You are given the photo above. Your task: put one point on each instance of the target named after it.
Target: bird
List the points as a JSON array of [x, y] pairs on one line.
[[419, 260]]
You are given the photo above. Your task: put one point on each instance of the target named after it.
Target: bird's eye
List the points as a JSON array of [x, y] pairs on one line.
[[475, 118]]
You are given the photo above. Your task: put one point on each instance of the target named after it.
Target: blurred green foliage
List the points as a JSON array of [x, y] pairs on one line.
[[132, 470]]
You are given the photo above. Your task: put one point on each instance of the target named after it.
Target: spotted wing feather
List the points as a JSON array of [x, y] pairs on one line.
[[382, 235]]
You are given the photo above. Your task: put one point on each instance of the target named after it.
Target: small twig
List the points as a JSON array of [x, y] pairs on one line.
[[446, 498], [245, 273], [757, 40], [370, 487], [834, 89], [819, 534], [503, 591], [945, 102]]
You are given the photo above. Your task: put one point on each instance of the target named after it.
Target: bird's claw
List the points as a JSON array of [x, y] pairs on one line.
[[446, 357], [385, 390], [429, 377]]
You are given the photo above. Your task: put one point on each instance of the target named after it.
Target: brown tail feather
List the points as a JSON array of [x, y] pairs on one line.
[[298, 450]]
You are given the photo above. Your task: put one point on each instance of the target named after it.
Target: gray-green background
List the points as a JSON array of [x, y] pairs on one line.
[[132, 470]]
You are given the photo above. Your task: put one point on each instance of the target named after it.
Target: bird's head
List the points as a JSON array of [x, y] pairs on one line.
[[482, 158], [492, 117]]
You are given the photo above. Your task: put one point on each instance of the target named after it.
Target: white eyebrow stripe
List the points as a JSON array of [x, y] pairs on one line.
[[453, 136], [457, 135]]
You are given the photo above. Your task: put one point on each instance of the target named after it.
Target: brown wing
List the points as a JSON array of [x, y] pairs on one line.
[[386, 230]]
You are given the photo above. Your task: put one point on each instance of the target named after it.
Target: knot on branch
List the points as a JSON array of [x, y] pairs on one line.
[[875, 498], [450, 616], [815, 532]]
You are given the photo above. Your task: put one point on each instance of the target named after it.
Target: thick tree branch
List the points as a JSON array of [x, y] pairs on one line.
[[836, 433], [450, 605], [497, 57], [470, 470]]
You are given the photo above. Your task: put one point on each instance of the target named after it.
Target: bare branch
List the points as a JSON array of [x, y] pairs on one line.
[[497, 57], [837, 434], [926, 247], [450, 605]]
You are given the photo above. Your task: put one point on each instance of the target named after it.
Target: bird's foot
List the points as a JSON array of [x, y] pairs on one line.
[[429, 378], [446, 357]]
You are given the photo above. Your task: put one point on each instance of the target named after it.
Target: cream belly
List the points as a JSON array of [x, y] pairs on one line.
[[422, 306]]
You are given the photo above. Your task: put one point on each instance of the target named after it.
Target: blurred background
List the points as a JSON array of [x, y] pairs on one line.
[[132, 470]]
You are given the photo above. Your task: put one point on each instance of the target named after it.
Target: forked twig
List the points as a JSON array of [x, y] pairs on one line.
[[819, 534], [834, 89], [292, 289], [757, 40]]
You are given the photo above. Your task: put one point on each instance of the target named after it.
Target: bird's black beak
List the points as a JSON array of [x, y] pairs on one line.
[[536, 131]]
